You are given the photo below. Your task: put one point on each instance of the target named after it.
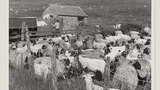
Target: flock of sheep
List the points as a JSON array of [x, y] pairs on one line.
[[86, 56]]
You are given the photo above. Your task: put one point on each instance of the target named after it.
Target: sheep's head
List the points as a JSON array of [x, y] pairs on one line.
[[117, 58], [44, 47], [67, 63], [146, 51], [107, 51], [124, 54], [73, 53], [88, 77], [13, 47], [148, 42], [136, 65]]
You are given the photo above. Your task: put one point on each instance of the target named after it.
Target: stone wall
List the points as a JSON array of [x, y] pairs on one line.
[[69, 23]]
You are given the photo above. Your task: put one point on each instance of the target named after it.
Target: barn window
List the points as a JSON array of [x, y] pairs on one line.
[[80, 18]]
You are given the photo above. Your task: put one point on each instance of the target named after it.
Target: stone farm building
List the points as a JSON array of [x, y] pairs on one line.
[[69, 16]]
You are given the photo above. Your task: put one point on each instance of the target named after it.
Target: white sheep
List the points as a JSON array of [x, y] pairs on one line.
[[133, 54], [112, 38], [89, 83], [115, 51], [79, 43], [126, 37], [92, 64], [41, 70], [100, 46], [140, 41], [45, 63]]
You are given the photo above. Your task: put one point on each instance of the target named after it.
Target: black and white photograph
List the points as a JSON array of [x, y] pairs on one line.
[[80, 45]]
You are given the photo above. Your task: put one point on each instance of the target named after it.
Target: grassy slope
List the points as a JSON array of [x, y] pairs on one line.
[[103, 12]]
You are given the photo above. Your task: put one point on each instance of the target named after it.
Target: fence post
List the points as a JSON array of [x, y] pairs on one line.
[[23, 31], [54, 70], [106, 76], [27, 39]]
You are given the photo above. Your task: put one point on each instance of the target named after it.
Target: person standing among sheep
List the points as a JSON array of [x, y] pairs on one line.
[[57, 26]]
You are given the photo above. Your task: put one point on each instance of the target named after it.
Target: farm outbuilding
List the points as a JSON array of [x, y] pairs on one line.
[[15, 25], [69, 16]]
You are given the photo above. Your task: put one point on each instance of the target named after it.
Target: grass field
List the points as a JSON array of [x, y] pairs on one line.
[[22, 79], [104, 12]]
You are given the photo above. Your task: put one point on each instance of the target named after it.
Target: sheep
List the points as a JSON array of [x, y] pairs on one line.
[[118, 32], [41, 70], [68, 55], [79, 43], [100, 46], [46, 62], [15, 58], [89, 83], [112, 55], [92, 64], [19, 59], [34, 48], [144, 73], [146, 54], [103, 41], [115, 51], [112, 38], [133, 54], [125, 77], [135, 36], [45, 17], [117, 48], [126, 37], [68, 45], [140, 41], [41, 23], [147, 29]]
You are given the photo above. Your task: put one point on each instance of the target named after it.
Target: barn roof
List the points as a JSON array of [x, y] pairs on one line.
[[17, 22], [60, 10]]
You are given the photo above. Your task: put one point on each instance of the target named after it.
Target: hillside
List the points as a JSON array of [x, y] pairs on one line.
[[99, 11]]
